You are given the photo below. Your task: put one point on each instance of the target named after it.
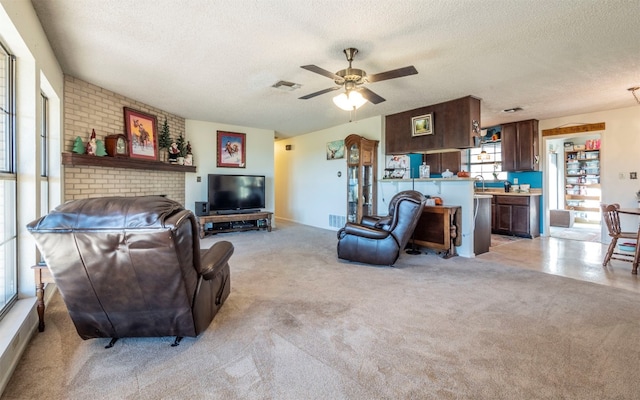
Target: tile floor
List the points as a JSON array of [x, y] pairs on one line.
[[571, 258]]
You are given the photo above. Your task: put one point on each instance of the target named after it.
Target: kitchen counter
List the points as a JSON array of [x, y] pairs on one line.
[[453, 191]]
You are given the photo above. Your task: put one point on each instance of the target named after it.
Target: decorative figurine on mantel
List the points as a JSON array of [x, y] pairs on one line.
[[91, 145], [78, 146], [164, 139], [101, 150], [182, 149], [188, 159], [173, 153]]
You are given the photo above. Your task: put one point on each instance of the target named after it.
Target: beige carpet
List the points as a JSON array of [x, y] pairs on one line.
[[300, 324]]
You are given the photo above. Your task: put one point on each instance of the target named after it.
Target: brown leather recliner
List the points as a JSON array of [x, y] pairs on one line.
[[132, 267], [379, 240]]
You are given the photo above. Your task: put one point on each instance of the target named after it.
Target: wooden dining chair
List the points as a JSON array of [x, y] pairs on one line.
[[612, 219]]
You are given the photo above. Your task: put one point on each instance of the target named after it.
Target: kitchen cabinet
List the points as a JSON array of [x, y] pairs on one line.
[[520, 149], [361, 176], [452, 127], [440, 162], [517, 215]]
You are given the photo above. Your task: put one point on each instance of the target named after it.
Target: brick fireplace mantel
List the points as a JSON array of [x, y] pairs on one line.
[[76, 160]]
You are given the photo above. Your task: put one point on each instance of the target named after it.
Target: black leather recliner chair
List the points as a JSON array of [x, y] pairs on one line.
[[132, 267], [379, 240]]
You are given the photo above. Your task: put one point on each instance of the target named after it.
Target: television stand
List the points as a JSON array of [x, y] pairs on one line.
[[231, 212], [234, 222]]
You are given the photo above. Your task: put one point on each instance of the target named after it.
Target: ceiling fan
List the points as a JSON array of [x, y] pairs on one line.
[[352, 79]]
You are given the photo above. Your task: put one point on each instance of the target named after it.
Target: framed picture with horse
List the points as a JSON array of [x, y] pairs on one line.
[[142, 133], [231, 149]]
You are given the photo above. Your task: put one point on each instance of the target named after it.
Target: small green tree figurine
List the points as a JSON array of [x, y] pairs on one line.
[[182, 146], [164, 139], [100, 149], [78, 146]]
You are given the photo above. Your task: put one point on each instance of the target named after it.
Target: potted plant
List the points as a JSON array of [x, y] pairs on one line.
[[164, 139], [182, 148], [188, 158]]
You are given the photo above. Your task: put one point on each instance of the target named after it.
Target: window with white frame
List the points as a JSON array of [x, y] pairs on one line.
[[44, 159], [8, 225], [486, 161]]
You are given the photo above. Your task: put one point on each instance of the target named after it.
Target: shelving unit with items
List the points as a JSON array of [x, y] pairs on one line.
[[361, 177], [582, 180]]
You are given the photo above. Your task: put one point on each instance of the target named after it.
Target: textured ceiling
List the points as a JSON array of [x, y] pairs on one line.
[[217, 60]]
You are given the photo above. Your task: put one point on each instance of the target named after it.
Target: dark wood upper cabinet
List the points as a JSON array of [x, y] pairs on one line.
[[452, 126], [440, 162], [520, 149]]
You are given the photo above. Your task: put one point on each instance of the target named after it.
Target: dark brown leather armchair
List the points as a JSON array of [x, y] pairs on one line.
[[379, 240], [132, 267]]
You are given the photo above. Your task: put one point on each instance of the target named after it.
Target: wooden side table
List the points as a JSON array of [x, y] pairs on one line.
[[42, 275], [438, 229]]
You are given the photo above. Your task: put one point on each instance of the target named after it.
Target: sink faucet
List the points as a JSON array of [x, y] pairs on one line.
[[482, 179]]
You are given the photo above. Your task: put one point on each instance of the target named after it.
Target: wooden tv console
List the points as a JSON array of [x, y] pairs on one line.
[[235, 222]]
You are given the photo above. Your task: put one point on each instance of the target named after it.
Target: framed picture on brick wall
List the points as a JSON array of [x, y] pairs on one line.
[[142, 133]]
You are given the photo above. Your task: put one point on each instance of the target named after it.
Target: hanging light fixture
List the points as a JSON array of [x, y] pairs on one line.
[[350, 100], [483, 156]]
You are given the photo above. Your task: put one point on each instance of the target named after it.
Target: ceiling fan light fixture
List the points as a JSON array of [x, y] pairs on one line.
[[349, 101]]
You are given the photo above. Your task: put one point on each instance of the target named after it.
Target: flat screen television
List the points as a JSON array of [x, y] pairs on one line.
[[235, 193]]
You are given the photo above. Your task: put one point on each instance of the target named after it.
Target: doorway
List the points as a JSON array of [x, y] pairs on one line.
[[573, 165]]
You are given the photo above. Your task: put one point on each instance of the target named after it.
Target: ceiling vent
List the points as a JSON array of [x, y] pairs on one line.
[[512, 110], [286, 86]]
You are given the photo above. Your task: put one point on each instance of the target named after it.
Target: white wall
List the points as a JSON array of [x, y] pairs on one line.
[[620, 149], [307, 184], [203, 138]]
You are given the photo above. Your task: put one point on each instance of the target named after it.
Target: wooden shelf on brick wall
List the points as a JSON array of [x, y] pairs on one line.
[[79, 160]]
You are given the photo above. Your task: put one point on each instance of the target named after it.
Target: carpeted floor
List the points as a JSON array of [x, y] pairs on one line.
[[301, 324]]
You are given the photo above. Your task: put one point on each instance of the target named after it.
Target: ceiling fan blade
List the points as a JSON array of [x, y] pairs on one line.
[[394, 73], [371, 96], [319, 93], [321, 71]]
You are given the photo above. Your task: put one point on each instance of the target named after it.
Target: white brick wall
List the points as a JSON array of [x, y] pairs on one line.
[[88, 107]]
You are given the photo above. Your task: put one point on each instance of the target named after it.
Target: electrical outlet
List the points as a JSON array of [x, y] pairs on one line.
[[633, 175], [198, 179], [621, 175], [515, 181]]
